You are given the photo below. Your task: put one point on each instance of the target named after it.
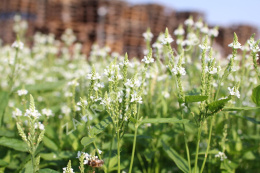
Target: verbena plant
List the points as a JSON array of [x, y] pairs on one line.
[[187, 109]]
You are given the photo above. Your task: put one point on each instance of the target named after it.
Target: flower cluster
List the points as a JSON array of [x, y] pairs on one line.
[[221, 155], [234, 92], [178, 70]]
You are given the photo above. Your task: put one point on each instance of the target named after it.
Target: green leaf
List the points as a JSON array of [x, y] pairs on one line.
[[164, 120], [50, 144], [239, 108], [47, 86], [3, 163], [195, 98], [218, 105], [253, 120], [178, 160], [87, 140], [100, 127], [7, 133], [256, 95], [59, 155], [15, 144], [47, 170], [4, 97]]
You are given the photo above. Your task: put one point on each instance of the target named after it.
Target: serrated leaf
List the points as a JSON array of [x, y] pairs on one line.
[[164, 120], [15, 144], [100, 127], [195, 98], [87, 140], [178, 160], [239, 108], [218, 105], [256, 95], [4, 97], [50, 144]]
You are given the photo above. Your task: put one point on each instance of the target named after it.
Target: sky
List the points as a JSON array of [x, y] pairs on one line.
[[217, 12]]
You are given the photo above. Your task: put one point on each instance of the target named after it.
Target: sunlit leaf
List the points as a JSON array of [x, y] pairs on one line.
[[256, 95]]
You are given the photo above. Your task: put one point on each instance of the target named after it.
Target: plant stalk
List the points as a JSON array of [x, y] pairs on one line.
[[133, 150], [197, 148]]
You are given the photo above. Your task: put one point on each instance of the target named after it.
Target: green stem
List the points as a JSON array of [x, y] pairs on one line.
[[118, 152], [133, 150], [187, 147], [197, 148], [208, 147], [110, 151]]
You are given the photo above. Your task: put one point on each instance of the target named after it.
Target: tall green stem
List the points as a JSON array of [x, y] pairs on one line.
[[133, 150], [197, 148], [208, 147], [118, 152], [187, 147]]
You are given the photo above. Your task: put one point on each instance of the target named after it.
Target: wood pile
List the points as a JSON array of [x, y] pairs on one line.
[[112, 23]]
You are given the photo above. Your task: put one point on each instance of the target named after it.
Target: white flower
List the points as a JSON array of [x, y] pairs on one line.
[[204, 47], [39, 125], [189, 22], [47, 112], [167, 40], [67, 170], [95, 76], [135, 98], [213, 71], [157, 46], [22, 92], [236, 45], [148, 36], [198, 24], [34, 114], [165, 94], [234, 92], [147, 60], [17, 113], [73, 83], [18, 45], [213, 32], [221, 155], [179, 31], [204, 30], [99, 151], [179, 70]]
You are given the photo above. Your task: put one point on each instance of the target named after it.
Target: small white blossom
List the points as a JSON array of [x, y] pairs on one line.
[[148, 36], [189, 22], [234, 92], [136, 98], [47, 112], [39, 125], [167, 40], [147, 60], [204, 47], [34, 114], [95, 76], [236, 45], [22, 92], [221, 155], [198, 24], [213, 32], [16, 113], [67, 170], [99, 151], [179, 70], [179, 31], [18, 45]]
